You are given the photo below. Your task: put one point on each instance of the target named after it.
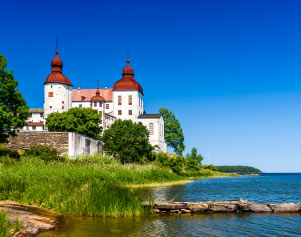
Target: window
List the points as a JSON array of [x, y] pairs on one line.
[[107, 106], [51, 86], [130, 112], [100, 122], [41, 115], [80, 105], [63, 107], [62, 102], [33, 128], [31, 115], [151, 129], [130, 100], [119, 100], [95, 104], [50, 107], [50, 94], [119, 112], [100, 104]]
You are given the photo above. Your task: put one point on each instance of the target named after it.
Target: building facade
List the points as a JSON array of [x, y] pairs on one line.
[[123, 101]]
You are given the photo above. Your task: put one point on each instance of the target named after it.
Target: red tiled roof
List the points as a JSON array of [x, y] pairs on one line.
[[127, 82], [87, 94], [57, 77], [35, 124]]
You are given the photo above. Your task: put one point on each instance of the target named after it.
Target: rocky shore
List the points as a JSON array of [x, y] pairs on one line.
[[32, 219], [222, 206]]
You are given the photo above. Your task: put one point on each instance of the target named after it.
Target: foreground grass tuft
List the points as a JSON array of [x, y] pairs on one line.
[[4, 224]]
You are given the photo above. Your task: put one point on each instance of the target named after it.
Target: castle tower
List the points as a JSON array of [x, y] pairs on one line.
[[127, 95], [57, 89]]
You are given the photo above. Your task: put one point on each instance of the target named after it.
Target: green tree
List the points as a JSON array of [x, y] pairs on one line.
[[127, 141], [194, 160], [80, 120], [13, 108], [173, 131]]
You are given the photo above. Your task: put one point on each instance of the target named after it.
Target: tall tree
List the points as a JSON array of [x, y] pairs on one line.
[[127, 141], [194, 160], [80, 120], [173, 131], [13, 108]]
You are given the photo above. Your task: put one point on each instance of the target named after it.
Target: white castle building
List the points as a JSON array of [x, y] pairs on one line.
[[123, 101]]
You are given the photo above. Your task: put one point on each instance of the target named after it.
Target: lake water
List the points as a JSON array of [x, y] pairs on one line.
[[272, 188]]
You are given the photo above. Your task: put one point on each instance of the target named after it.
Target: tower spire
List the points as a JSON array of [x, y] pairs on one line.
[[56, 52]]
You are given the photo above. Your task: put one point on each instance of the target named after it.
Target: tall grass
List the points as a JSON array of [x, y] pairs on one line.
[[4, 224], [93, 186]]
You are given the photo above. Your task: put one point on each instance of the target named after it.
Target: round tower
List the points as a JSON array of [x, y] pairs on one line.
[[127, 95], [57, 89]]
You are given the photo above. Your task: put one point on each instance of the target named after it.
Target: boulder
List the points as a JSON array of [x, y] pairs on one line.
[[185, 211], [243, 206], [169, 205], [285, 207], [260, 208], [197, 206], [222, 207]]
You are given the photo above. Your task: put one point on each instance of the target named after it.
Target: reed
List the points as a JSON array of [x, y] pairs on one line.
[[4, 225], [80, 187]]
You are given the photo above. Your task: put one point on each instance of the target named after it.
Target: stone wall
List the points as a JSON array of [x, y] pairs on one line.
[[69, 143], [23, 140]]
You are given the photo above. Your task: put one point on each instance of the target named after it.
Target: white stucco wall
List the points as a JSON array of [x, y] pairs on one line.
[[136, 107], [61, 100], [82, 145], [157, 138]]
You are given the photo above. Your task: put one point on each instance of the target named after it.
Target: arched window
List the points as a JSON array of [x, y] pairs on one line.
[[119, 100], [151, 129], [130, 100]]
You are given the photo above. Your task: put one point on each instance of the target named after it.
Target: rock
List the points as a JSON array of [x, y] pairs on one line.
[[185, 211], [156, 210], [169, 205], [243, 206], [197, 206], [32, 219], [222, 207], [285, 207], [260, 208]]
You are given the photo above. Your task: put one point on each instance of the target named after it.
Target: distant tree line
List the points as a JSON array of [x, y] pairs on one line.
[[237, 169]]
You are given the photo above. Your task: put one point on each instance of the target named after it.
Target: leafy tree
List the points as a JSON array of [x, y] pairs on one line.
[[127, 141], [13, 108], [194, 160], [80, 120], [173, 131]]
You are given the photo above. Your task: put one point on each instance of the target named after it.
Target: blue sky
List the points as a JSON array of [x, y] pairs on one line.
[[229, 70]]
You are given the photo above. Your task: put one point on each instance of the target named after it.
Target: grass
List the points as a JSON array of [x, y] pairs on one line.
[[94, 187], [91, 186], [4, 224]]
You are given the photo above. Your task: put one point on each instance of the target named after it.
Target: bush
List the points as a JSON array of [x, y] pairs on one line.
[[210, 167], [45, 153], [10, 153], [174, 162]]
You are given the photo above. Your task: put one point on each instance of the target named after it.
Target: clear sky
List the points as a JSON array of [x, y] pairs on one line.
[[229, 70]]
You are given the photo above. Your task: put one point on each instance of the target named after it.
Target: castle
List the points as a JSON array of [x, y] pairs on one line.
[[123, 101]]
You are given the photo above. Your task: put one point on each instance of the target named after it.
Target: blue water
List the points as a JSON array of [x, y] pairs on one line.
[[267, 188], [272, 188]]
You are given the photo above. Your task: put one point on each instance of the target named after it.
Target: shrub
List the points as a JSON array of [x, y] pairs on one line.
[[10, 153], [210, 167], [174, 162], [45, 153]]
